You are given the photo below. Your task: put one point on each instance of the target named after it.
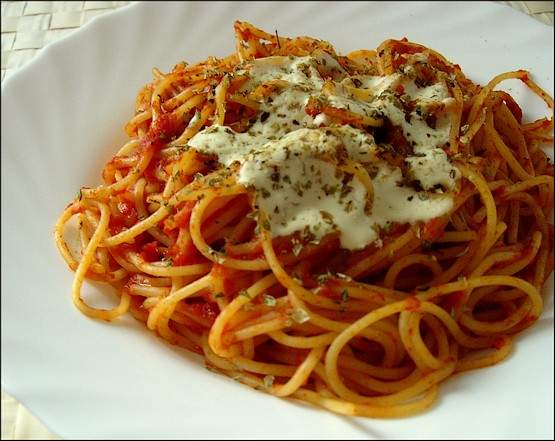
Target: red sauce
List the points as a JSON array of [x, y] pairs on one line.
[[499, 343], [183, 216], [529, 320], [331, 290], [126, 214], [200, 308], [434, 228], [454, 301], [499, 194], [245, 33], [152, 252], [185, 254], [313, 107], [413, 303], [232, 284]]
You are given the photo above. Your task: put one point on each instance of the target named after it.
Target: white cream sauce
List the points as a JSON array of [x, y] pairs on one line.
[[302, 171]]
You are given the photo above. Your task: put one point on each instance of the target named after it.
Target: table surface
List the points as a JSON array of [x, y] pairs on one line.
[[29, 26]]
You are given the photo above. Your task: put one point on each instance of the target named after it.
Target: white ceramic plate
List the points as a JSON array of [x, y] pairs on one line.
[[62, 118]]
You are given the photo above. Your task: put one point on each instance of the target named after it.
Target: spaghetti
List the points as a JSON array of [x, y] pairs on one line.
[[347, 230]]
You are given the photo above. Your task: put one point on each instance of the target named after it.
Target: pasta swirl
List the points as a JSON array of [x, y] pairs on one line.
[[347, 230]]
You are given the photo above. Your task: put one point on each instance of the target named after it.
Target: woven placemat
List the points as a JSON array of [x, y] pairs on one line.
[[27, 27]]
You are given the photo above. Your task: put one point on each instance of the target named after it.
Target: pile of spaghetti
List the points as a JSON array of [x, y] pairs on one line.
[[183, 230]]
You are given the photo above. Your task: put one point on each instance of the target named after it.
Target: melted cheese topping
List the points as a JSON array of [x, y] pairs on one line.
[[314, 176]]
